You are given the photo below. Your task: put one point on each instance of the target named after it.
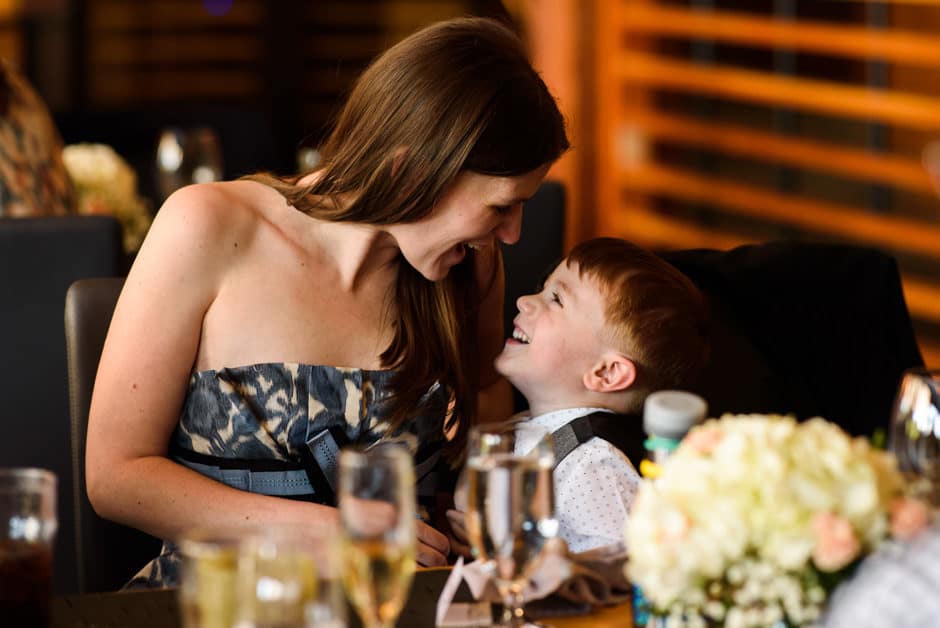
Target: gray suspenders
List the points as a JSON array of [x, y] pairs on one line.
[[625, 432]]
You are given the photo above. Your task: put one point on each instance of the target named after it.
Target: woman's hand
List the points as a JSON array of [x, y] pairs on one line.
[[433, 547], [459, 541]]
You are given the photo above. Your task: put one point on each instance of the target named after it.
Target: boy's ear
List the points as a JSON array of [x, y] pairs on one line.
[[614, 372]]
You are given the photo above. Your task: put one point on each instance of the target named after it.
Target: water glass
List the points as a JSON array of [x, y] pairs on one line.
[[208, 577], [511, 506], [186, 156], [28, 520], [328, 608], [277, 577], [915, 432], [377, 516]]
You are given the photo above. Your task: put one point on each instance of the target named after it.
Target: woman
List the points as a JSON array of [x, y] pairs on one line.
[[266, 319]]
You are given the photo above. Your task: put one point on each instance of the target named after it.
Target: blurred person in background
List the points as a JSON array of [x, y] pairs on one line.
[[33, 179]]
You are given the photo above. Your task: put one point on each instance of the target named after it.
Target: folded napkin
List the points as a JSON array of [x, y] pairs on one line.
[[561, 584]]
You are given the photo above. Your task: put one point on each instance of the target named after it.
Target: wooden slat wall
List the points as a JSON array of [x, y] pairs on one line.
[[720, 123], [297, 58], [172, 50]]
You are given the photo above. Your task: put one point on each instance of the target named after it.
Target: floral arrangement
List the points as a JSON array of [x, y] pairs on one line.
[[106, 184], [755, 519]]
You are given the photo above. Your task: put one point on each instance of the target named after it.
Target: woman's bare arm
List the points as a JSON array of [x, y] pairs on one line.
[[144, 372]]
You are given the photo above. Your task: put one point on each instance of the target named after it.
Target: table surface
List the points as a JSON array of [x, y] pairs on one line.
[[158, 609]]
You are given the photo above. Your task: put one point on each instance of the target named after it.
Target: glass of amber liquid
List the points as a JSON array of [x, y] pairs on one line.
[[209, 567], [27, 529], [377, 531]]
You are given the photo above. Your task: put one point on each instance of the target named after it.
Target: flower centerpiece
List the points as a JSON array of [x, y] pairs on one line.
[[755, 519], [106, 184]]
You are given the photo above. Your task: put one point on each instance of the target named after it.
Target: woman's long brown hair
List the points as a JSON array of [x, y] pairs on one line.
[[457, 95]]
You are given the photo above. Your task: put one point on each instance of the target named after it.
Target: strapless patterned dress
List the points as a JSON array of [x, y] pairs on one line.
[[264, 416]]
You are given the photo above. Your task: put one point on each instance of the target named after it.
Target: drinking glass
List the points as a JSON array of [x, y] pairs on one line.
[[277, 577], [28, 521], [915, 431], [328, 607], [511, 506], [377, 517], [208, 574], [186, 156]]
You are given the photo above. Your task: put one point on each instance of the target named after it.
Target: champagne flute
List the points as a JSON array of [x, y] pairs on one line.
[[511, 506], [915, 431], [378, 530]]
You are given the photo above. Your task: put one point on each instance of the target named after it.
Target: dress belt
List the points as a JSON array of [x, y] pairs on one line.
[[278, 483]]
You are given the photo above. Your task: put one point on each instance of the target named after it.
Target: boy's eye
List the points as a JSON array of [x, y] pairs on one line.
[[556, 298], [502, 209]]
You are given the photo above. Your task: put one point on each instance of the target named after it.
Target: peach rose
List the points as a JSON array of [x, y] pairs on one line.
[[703, 440], [836, 543], [908, 517]]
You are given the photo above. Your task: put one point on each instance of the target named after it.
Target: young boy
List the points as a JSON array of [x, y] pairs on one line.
[[612, 324]]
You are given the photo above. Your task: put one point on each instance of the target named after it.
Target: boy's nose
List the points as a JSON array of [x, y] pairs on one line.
[[524, 303], [510, 229]]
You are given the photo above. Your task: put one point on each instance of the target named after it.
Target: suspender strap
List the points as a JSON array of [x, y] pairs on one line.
[[569, 436], [625, 432]]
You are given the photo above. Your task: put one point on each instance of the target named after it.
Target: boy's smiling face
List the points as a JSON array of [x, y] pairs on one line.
[[557, 337]]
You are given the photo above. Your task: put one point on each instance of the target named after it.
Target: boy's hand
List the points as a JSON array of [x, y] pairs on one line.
[[459, 542]]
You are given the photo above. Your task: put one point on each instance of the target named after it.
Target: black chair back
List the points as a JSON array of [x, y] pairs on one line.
[[108, 553], [39, 258], [804, 328]]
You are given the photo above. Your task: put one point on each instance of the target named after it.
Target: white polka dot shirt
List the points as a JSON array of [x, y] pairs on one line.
[[594, 486]]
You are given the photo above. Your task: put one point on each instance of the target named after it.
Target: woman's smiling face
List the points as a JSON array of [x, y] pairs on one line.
[[475, 210]]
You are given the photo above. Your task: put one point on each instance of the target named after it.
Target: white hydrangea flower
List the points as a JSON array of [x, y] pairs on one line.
[[737, 503], [106, 184]]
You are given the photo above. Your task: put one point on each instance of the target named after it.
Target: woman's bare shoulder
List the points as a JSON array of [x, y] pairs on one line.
[[210, 218]]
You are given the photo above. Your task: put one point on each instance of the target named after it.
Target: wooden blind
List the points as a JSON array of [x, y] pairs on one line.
[[720, 123], [293, 59], [174, 50]]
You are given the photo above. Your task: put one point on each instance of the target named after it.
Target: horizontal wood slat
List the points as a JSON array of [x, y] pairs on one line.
[[806, 153], [111, 88], [754, 30], [904, 109], [816, 216], [654, 230], [188, 48], [923, 298]]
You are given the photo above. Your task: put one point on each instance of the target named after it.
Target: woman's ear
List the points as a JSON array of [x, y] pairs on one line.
[[614, 372]]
